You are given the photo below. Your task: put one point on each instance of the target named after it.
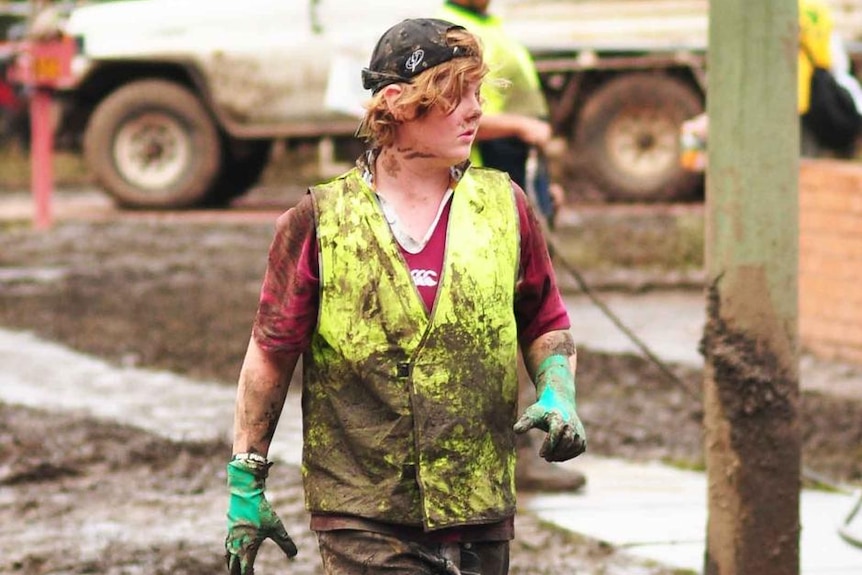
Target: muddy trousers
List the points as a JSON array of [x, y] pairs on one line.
[[354, 552]]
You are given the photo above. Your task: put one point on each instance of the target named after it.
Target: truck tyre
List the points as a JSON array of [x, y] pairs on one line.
[[629, 134], [152, 145]]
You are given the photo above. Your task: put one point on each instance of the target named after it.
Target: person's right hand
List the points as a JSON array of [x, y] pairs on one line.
[[250, 518]]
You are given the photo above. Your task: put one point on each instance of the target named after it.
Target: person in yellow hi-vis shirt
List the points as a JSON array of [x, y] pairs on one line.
[[819, 47], [815, 31], [514, 128], [514, 120]]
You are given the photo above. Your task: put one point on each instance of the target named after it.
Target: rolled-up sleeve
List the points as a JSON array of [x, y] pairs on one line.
[[289, 297], [539, 307]]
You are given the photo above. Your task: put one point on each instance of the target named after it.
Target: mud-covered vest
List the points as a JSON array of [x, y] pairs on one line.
[[408, 417]]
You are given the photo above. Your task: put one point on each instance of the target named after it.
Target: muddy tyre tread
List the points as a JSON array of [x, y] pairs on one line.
[[182, 106], [671, 101]]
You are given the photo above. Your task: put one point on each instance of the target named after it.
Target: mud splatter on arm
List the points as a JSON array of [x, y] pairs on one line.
[[558, 342], [263, 384], [283, 326]]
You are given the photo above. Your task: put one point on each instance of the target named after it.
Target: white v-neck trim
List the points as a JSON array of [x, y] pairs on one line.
[[404, 240]]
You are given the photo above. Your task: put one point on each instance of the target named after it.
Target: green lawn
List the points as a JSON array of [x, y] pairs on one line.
[[69, 169]]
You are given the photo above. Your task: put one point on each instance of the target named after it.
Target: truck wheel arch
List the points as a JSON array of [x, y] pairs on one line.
[[109, 76]]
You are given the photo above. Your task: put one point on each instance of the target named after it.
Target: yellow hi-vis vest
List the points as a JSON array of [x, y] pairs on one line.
[[408, 418], [815, 32]]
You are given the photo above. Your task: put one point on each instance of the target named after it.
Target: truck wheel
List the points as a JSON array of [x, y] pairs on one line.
[[629, 134], [152, 145], [243, 162]]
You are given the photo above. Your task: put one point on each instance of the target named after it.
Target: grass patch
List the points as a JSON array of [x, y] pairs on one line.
[[685, 464], [69, 169]]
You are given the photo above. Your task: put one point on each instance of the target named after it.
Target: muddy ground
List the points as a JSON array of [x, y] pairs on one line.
[[178, 293]]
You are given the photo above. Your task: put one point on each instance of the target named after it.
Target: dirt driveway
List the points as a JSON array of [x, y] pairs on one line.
[[161, 292]]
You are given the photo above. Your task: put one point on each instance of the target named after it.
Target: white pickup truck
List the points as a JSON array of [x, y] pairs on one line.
[[177, 102]]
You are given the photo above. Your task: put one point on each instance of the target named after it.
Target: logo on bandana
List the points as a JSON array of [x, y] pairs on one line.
[[414, 60]]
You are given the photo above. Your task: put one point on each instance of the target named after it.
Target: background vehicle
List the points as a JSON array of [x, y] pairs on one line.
[[621, 76], [177, 103], [13, 126]]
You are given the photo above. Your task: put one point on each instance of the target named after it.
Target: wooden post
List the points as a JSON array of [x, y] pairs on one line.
[[751, 387]]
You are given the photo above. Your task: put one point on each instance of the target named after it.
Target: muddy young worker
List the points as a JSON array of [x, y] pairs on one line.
[[407, 285]]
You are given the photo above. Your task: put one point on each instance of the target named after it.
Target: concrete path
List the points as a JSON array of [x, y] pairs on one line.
[[660, 513], [45, 375], [669, 322]]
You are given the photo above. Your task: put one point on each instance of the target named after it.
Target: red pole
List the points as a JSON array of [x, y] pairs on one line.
[[41, 160]]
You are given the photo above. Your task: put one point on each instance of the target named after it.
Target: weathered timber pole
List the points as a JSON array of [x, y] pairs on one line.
[[751, 387]]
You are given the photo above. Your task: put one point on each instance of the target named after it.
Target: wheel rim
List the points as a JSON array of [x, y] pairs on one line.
[[643, 143], [152, 150]]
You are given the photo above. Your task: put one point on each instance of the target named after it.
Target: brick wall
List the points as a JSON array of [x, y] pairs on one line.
[[830, 259]]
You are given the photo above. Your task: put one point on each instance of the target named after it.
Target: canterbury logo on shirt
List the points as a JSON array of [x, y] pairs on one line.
[[424, 278]]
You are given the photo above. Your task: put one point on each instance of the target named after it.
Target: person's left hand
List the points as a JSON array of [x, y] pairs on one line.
[[555, 412]]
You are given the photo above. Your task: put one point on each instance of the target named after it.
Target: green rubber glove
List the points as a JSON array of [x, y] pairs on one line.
[[554, 412], [250, 518]]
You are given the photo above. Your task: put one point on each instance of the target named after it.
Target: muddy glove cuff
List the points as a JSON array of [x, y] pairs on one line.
[[555, 411], [250, 518]]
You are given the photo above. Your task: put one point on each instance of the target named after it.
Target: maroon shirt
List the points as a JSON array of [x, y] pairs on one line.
[[288, 308]]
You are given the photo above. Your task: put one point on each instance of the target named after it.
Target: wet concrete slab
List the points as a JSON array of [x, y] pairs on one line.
[[659, 512]]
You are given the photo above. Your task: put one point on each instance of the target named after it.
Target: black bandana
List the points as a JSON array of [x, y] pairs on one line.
[[408, 49]]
